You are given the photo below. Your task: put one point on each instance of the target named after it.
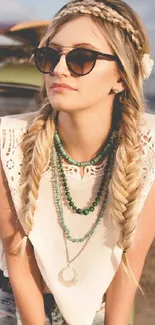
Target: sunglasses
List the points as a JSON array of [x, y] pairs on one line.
[[80, 61]]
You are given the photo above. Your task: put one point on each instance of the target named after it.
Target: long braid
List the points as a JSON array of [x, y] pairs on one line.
[[125, 188], [36, 147]]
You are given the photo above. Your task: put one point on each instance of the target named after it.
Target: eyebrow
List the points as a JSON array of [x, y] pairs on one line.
[[88, 45]]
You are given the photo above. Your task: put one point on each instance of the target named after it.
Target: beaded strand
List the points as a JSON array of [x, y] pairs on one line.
[[58, 201], [95, 203], [100, 156]]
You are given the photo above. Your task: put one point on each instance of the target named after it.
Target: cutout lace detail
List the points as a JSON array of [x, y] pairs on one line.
[[12, 160], [10, 149], [89, 171], [74, 171], [148, 163]]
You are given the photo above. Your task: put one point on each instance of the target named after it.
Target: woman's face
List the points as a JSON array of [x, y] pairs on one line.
[[91, 90]]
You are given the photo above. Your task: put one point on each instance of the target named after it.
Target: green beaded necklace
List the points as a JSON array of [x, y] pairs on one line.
[[101, 155], [95, 203], [58, 201]]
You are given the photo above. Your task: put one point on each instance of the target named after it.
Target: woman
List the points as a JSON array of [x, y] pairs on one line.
[[80, 171]]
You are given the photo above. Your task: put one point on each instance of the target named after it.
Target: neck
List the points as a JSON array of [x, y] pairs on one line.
[[84, 133]]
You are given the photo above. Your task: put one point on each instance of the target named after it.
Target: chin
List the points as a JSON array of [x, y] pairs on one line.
[[63, 106]]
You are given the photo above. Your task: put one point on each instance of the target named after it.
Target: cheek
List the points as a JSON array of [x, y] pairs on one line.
[[100, 81], [47, 83], [62, 101]]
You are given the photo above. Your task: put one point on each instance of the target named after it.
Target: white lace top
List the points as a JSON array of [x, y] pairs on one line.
[[98, 262]]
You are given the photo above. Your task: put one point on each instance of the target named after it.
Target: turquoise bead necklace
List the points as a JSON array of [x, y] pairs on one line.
[[58, 201], [100, 156], [72, 205]]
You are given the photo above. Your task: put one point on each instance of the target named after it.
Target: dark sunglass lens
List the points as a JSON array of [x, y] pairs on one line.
[[80, 61], [46, 59]]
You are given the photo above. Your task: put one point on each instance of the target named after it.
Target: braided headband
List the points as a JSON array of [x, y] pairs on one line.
[[99, 9]]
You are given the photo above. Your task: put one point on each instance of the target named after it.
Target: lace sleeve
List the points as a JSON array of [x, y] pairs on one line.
[[11, 133], [148, 163], [11, 155]]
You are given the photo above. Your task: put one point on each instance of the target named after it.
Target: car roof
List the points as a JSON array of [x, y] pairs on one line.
[[29, 32]]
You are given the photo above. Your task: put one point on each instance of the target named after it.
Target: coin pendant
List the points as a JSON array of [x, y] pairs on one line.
[[68, 276]]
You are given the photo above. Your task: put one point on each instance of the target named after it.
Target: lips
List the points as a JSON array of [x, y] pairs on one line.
[[61, 85]]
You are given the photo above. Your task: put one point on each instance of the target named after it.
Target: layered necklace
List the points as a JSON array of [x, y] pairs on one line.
[[105, 151], [59, 178]]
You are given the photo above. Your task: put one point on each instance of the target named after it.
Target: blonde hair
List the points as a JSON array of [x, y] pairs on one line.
[[120, 25]]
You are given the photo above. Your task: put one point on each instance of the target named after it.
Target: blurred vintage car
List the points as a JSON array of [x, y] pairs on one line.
[[19, 79]]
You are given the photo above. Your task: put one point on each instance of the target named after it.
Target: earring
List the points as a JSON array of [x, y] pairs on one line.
[[116, 91]]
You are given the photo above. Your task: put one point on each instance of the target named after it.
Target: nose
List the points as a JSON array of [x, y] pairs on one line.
[[61, 67]]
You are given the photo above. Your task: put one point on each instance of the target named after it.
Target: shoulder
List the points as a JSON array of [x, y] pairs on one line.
[[150, 120], [147, 135], [146, 224], [18, 121], [12, 129], [147, 166]]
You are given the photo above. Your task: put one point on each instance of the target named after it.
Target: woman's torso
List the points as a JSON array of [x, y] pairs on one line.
[[99, 260]]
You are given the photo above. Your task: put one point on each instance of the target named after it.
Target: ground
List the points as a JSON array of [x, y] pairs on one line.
[[145, 307]]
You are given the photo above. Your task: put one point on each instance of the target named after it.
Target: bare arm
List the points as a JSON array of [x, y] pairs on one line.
[[120, 295], [24, 274]]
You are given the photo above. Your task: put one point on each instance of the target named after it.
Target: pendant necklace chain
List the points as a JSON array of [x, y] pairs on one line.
[[74, 274], [68, 270]]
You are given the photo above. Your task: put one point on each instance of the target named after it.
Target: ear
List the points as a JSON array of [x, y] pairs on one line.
[[119, 86]]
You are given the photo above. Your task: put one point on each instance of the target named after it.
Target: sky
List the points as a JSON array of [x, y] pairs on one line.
[[45, 9]]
